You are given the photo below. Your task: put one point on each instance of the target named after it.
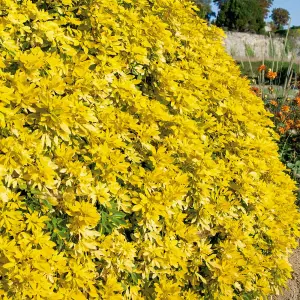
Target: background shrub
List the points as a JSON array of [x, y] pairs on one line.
[[135, 162]]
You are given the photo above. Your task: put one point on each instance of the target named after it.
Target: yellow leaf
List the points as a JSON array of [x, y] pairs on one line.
[[9, 265], [137, 207], [65, 128]]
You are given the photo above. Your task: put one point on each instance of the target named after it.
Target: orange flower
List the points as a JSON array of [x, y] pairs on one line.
[[273, 102], [282, 130], [271, 74], [262, 68], [297, 100], [256, 90], [285, 108], [289, 124]]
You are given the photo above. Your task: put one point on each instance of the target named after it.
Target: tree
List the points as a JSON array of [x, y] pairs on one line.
[[265, 5], [280, 17], [219, 3], [205, 9], [241, 15]]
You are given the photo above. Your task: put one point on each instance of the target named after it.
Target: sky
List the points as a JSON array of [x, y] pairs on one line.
[[292, 6]]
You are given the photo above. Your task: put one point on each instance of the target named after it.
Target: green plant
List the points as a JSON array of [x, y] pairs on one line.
[[282, 99], [282, 73], [271, 49], [284, 103], [290, 155], [233, 51], [249, 51]]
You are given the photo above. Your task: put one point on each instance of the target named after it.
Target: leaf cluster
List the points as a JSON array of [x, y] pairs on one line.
[[135, 163], [242, 16]]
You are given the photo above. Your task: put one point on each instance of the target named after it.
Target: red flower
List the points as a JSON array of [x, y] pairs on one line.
[[282, 130], [273, 102], [262, 68], [285, 108], [271, 74], [297, 100]]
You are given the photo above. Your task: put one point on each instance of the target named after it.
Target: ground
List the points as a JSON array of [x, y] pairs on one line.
[[293, 290]]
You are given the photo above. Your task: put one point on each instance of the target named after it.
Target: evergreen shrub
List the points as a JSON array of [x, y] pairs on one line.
[[135, 162]]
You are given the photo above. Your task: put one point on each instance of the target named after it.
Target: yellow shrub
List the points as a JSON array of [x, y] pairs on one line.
[[135, 162]]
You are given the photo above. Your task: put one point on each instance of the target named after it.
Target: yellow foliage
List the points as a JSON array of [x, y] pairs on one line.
[[135, 163]]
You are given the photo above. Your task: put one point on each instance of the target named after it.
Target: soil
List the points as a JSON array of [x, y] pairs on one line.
[[293, 290]]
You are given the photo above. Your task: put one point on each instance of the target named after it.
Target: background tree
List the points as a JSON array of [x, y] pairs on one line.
[[280, 17], [205, 9], [265, 5], [219, 3], [241, 15]]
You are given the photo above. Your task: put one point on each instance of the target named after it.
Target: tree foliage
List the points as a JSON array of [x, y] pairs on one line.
[[280, 17], [265, 5], [135, 163], [205, 9], [219, 3], [241, 15]]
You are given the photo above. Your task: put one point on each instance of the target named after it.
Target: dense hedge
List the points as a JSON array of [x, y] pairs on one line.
[[135, 163]]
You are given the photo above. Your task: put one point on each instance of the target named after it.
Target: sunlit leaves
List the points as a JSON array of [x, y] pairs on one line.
[[134, 162]]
